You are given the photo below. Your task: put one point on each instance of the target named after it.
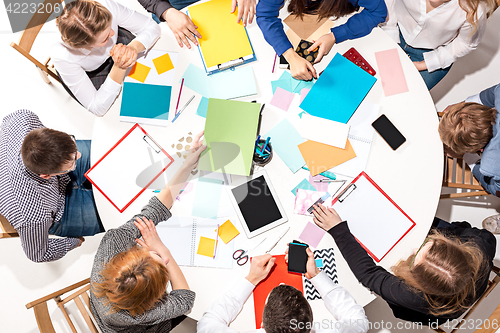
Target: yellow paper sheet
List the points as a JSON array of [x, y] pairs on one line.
[[139, 72], [206, 247], [223, 39], [227, 231], [320, 157], [163, 64]]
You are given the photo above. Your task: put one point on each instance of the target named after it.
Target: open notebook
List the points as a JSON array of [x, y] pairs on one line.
[[183, 243]]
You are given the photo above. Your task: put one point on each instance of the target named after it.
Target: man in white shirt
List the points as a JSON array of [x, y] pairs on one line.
[[286, 310]]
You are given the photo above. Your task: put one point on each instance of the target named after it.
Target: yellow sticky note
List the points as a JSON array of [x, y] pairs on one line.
[[139, 72], [163, 63], [206, 247], [227, 231]]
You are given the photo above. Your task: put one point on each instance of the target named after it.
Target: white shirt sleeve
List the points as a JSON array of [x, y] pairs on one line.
[[474, 99], [464, 43], [350, 316], [391, 24], [225, 309]]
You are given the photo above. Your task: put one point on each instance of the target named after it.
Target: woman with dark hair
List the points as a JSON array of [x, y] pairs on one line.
[[130, 276], [439, 282], [358, 25]]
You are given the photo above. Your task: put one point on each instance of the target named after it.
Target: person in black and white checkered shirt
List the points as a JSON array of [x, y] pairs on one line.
[[42, 189]]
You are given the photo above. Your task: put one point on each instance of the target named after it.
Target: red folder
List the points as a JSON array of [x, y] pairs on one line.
[[135, 156], [278, 275], [374, 219]]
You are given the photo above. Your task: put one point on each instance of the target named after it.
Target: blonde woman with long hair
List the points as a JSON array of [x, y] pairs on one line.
[[435, 33], [437, 283]]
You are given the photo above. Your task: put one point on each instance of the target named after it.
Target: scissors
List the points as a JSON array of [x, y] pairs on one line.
[[241, 256]]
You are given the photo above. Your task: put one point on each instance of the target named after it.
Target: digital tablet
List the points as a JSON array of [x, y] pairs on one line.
[[257, 205]]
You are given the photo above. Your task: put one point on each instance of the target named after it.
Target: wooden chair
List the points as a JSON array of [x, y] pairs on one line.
[[6, 229], [80, 297], [492, 283], [28, 38]]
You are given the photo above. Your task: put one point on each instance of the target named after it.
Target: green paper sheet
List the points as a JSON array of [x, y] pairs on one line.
[[207, 197], [230, 133]]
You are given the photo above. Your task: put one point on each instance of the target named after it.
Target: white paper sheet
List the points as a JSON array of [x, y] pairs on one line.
[[323, 130]]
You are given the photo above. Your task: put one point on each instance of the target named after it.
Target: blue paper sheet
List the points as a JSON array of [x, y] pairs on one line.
[[149, 101], [285, 139], [223, 85], [202, 107], [338, 91], [303, 185], [207, 197], [287, 82]]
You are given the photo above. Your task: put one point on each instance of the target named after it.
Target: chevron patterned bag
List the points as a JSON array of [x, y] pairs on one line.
[[329, 268]]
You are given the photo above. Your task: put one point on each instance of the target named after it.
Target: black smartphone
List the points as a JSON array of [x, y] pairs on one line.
[[297, 257], [283, 63], [388, 132]]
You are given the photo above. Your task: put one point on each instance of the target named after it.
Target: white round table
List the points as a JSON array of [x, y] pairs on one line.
[[411, 175]]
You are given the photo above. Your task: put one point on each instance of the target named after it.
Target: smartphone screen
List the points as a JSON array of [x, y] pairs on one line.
[[388, 132], [297, 258]]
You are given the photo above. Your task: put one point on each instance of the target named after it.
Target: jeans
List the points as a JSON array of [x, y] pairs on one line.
[[430, 79], [80, 217]]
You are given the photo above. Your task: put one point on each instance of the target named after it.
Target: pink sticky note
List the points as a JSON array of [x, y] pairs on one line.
[[282, 98], [303, 94], [322, 187], [305, 199], [312, 234], [391, 72]]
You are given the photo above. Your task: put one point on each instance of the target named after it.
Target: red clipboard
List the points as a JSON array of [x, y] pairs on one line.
[[129, 167], [279, 274], [374, 219]]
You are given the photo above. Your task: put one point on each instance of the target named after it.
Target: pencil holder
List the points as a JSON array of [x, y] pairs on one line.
[[263, 160]]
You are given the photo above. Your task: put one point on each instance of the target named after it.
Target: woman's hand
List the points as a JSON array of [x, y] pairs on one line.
[[123, 56], [195, 151], [150, 239], [246, 10], [325, 218], [421, 65], [325, 44], [300, 68], [181, 25]]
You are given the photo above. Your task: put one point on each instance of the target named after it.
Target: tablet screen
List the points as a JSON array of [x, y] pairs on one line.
[[256, 203]]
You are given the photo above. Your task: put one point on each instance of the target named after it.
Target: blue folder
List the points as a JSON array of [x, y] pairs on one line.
[[338, 91]]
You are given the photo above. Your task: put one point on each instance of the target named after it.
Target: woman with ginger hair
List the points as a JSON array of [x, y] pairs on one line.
[[130, 276], [97, 47], [435, 33], [438, 282]]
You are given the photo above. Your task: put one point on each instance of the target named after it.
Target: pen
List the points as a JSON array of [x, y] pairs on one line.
[[257, 141], [327, 181], [265, 145], [326, 174], [179, 98], [216, 241], [279, 238], [156, 191], [180, 111]]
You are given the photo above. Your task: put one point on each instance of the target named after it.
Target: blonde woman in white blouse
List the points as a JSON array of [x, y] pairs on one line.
[[435, 33], [91, 58]]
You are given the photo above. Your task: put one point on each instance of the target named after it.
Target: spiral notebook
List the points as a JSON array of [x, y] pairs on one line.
[[183, 242], [360, 136]]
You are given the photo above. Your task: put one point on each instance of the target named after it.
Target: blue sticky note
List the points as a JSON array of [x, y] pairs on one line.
[[223, 85], [303, 185], [202, 107], [304, 85], [147, 101], [319, 263], [284, 84], [285, 139], [207, 197], [338, 91]]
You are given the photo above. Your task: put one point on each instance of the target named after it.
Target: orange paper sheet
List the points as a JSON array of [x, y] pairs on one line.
[[163, 64], [139, 72], [278, 275], [320, 157], [206, 247], [391, 72]]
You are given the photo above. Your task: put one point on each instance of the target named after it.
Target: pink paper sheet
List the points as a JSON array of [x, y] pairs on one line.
[[312, 234], [303, 94], [391, 72], [282, 99]]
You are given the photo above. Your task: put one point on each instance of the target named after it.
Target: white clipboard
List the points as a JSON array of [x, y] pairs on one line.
[[129, 167]]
